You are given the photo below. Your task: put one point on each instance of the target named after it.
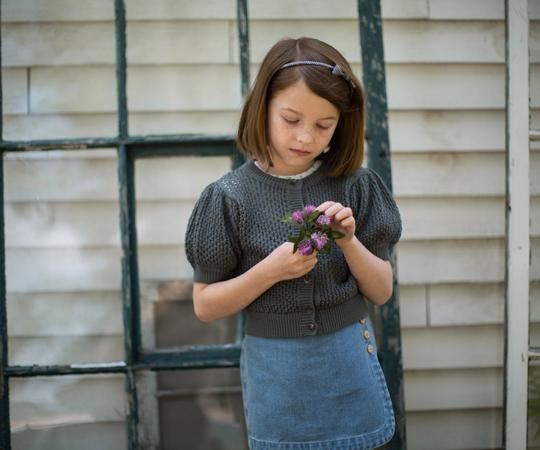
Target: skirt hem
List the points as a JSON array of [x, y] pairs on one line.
[[364, 441]]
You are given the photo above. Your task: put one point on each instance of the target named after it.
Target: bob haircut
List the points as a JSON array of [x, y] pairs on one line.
[[343, 91]]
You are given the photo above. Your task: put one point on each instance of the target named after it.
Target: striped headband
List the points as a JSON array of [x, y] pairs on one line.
[[336, 70]]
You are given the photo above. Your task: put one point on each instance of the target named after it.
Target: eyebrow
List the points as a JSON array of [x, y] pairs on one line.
[[299, 113]]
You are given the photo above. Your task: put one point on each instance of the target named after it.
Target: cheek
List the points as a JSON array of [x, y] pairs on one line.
[[278, 132]]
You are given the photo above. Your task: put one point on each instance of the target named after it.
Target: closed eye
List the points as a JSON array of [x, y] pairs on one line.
[[322, 127], [291, 121]]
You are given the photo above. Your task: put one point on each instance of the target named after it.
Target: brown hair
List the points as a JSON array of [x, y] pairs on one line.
[[344, 92]]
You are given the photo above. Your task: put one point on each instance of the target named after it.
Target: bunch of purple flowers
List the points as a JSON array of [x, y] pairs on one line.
[[315, 232]]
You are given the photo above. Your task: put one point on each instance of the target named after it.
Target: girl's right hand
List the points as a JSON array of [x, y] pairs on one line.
[[283, 264]]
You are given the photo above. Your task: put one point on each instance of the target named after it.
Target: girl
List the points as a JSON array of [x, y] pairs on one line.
[[310, 375]]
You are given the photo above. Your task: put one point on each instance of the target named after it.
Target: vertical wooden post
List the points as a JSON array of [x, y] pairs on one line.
[[379, 159], [517, 225]]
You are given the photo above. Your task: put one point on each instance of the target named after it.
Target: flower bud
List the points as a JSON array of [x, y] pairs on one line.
[[297, 217], [319, 240], [305, 248], [323, 220], [308, 209]]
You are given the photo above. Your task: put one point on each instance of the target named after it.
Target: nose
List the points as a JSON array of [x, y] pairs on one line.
[[304, 136]]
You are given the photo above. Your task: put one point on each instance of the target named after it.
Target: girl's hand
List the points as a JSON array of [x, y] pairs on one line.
[[343, 220], [283, 264]]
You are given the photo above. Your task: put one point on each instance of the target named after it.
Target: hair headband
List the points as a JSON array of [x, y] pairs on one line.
[[336, 69]]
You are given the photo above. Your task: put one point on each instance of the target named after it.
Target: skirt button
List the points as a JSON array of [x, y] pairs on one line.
[[362, 321], [370, 348], [366, 334]]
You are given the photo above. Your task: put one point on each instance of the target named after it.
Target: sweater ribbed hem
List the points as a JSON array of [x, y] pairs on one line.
[[301, 324]]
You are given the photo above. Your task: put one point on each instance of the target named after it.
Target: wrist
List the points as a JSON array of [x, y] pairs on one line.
[[346, 244], [265, 274]]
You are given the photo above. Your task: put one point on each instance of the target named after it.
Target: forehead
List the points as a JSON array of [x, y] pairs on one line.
[[300, 98]]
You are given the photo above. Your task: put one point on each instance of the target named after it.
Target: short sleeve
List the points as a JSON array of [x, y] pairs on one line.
[[378, 221], [210, 237]]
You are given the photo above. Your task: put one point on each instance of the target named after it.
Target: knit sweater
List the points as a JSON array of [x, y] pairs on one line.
[[235, 224]]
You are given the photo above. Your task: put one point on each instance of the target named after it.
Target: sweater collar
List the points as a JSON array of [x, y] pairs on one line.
[[254, 171]]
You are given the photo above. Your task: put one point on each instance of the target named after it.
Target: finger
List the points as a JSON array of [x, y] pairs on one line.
[[324, 206], [348, 222], [343, 214], [334, 209]]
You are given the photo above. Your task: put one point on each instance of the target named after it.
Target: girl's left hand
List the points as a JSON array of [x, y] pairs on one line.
[[343, 220]]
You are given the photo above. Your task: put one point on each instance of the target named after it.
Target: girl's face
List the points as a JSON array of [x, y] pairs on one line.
[[300, 127]]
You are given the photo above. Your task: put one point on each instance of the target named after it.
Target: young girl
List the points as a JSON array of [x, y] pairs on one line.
[[310, 375]]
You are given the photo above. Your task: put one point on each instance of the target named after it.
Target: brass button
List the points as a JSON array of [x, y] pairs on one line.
[[366, 334], [370, 348], [362, 321]]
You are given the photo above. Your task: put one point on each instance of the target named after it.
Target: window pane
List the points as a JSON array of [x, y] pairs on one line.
[[197, 409], [61, 412], [167, 189], [63, 257], [55, 84], [181, 73]]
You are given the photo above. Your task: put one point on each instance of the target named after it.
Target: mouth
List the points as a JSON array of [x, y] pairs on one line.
[[299, 152]]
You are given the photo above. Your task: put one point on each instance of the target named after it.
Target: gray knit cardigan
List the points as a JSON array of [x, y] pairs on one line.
[[235, 224]]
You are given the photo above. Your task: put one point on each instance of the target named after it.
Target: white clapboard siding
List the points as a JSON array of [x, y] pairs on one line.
[[451, 261], [453, 347], [455, 430], [99, 10], [83, 313], [439, 390], [214, 87], [447, 305], [15, 91], [56, 176], [466, 304], [405, 42], [71, 268], [413, 305], [65, 349], [53, 44], [432, 131], [66, 399], [57, 126]]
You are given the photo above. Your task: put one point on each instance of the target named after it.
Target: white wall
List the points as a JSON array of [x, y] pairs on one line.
[[445, 75]]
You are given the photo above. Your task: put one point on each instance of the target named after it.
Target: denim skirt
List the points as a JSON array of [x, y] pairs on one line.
[[323, 392]]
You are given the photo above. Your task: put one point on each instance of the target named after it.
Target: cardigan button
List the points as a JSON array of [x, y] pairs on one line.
[[312, 326]]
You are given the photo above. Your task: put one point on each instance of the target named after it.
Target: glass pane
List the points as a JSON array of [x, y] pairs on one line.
[[68, 412], [181, 76], [63, 257], [55, 84], [533, 425], [197, 410], [166, 190]]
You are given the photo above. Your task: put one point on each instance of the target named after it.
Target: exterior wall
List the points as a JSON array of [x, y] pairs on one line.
[[445, 76]]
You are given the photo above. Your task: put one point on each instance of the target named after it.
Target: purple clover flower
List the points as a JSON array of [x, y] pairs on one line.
[[297, 217], [308, 209], [323, 220], [319, 239], [305, 248]]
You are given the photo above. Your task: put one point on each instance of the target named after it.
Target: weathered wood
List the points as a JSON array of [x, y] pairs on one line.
[[518, 243]]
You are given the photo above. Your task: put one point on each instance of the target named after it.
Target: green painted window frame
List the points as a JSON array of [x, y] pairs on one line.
[[130, 148]]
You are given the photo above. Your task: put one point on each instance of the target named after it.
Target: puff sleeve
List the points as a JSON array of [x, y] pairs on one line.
[[378, 222], [211, 239]]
